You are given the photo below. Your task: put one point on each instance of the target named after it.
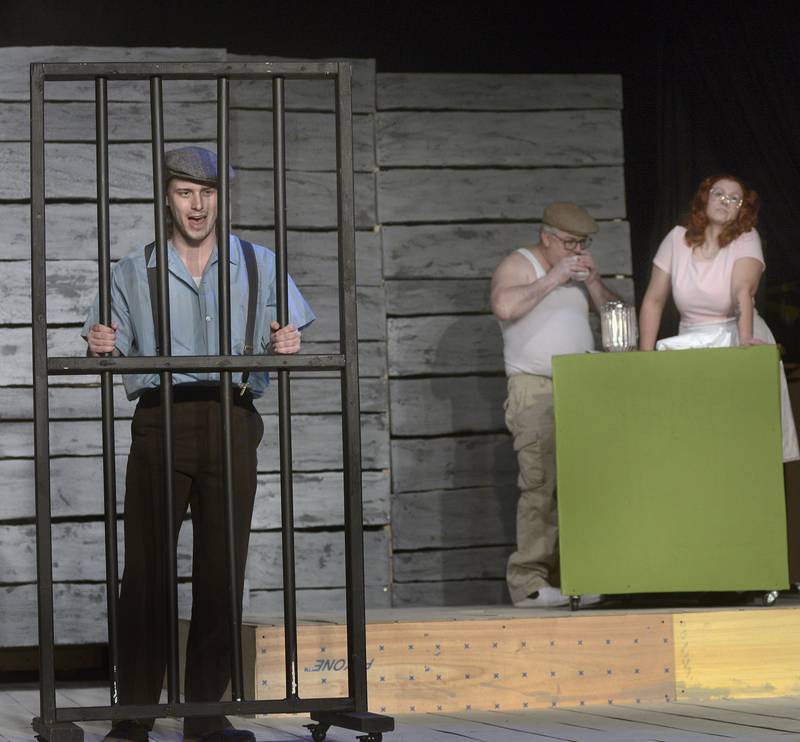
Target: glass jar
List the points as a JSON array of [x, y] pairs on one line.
[[618, 326]]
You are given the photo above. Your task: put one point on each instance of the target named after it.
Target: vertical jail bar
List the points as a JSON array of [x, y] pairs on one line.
[[41, 408], [351, 426], [107, 382], [165, 380], [225, 381], [284, 397]]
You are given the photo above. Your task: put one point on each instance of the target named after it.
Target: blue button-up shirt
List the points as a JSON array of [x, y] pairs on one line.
[[194, 314]]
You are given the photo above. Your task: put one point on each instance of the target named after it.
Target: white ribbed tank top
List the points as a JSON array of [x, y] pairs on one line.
[[557, 325]]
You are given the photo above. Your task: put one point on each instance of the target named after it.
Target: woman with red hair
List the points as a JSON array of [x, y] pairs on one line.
[[712, 267]]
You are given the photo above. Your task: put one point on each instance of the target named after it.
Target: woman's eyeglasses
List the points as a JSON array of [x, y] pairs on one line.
[[734, 199]]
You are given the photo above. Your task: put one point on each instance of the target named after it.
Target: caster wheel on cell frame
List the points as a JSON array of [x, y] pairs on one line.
[[371, 737], [574, 602], [318, 731], [770, 598]]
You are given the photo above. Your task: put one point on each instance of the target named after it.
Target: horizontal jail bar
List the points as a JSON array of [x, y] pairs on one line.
[[67, 365], [185, 70], [233, 708], [16, 342]]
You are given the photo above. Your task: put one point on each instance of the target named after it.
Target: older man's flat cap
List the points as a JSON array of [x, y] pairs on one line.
[[569, 217], [193, 163]]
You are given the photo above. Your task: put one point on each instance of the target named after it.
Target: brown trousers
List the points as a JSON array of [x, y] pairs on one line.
[[143, 600]]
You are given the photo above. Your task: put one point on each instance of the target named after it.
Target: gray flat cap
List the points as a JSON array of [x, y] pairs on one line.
[[569, 217], [193, 163]]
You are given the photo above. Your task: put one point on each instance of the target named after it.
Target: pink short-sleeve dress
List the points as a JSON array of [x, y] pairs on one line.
[[702, 293]]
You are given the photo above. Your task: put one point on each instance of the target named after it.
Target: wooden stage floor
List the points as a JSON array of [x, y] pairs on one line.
[[741, 719]]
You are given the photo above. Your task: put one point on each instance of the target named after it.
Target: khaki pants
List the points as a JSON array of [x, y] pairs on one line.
[[529, 417]]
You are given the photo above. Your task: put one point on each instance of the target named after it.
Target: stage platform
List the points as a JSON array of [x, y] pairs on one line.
[[504, 659]]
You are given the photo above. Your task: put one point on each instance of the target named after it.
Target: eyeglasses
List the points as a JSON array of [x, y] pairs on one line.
[[573, 245], [733, 199]]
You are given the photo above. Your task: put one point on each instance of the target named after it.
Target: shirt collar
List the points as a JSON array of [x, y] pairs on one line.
[[235, 250]]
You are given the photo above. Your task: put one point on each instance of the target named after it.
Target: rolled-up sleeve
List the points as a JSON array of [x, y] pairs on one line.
[[300, 313]]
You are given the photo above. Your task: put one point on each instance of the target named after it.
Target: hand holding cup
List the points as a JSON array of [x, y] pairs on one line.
[[582, 266]]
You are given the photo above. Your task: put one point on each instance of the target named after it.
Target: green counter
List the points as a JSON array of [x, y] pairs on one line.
[[670, 471]]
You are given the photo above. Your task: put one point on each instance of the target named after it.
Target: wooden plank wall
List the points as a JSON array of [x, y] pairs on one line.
[[466, 165], [452, 172], [190, 117]]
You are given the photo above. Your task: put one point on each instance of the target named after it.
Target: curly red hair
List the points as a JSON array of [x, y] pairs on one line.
[[746, 216]]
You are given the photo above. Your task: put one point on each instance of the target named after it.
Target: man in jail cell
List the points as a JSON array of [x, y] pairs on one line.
[[191, 194], [542, 296]]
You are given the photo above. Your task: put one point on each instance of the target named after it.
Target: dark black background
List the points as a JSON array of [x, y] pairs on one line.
[[708, 87]]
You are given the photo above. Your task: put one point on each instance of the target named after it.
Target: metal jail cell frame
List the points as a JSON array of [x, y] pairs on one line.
[[58, 724]]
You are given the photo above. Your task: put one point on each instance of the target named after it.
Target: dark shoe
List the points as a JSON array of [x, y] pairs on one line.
[[127, 731], [229, 735]]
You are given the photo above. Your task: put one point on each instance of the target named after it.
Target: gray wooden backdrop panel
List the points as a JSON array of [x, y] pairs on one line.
[[329, 602], [452, 174], [443, 405], [310, 140], [77, 484], [306, 95], [313, 395], [472, 139], [15, 71], [190, 117], [452, 462], [452, 518], [445, 592], [477, 92], [311, 196], [310, 137], [444, 344], [404, 298], [474, 250], [429, 195], [318, 437], [311, 199], [452, 564], [467, 165], [72, 285], [72, 235]]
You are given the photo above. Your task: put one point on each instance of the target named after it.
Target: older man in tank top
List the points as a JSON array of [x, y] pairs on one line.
[[542, 296]]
